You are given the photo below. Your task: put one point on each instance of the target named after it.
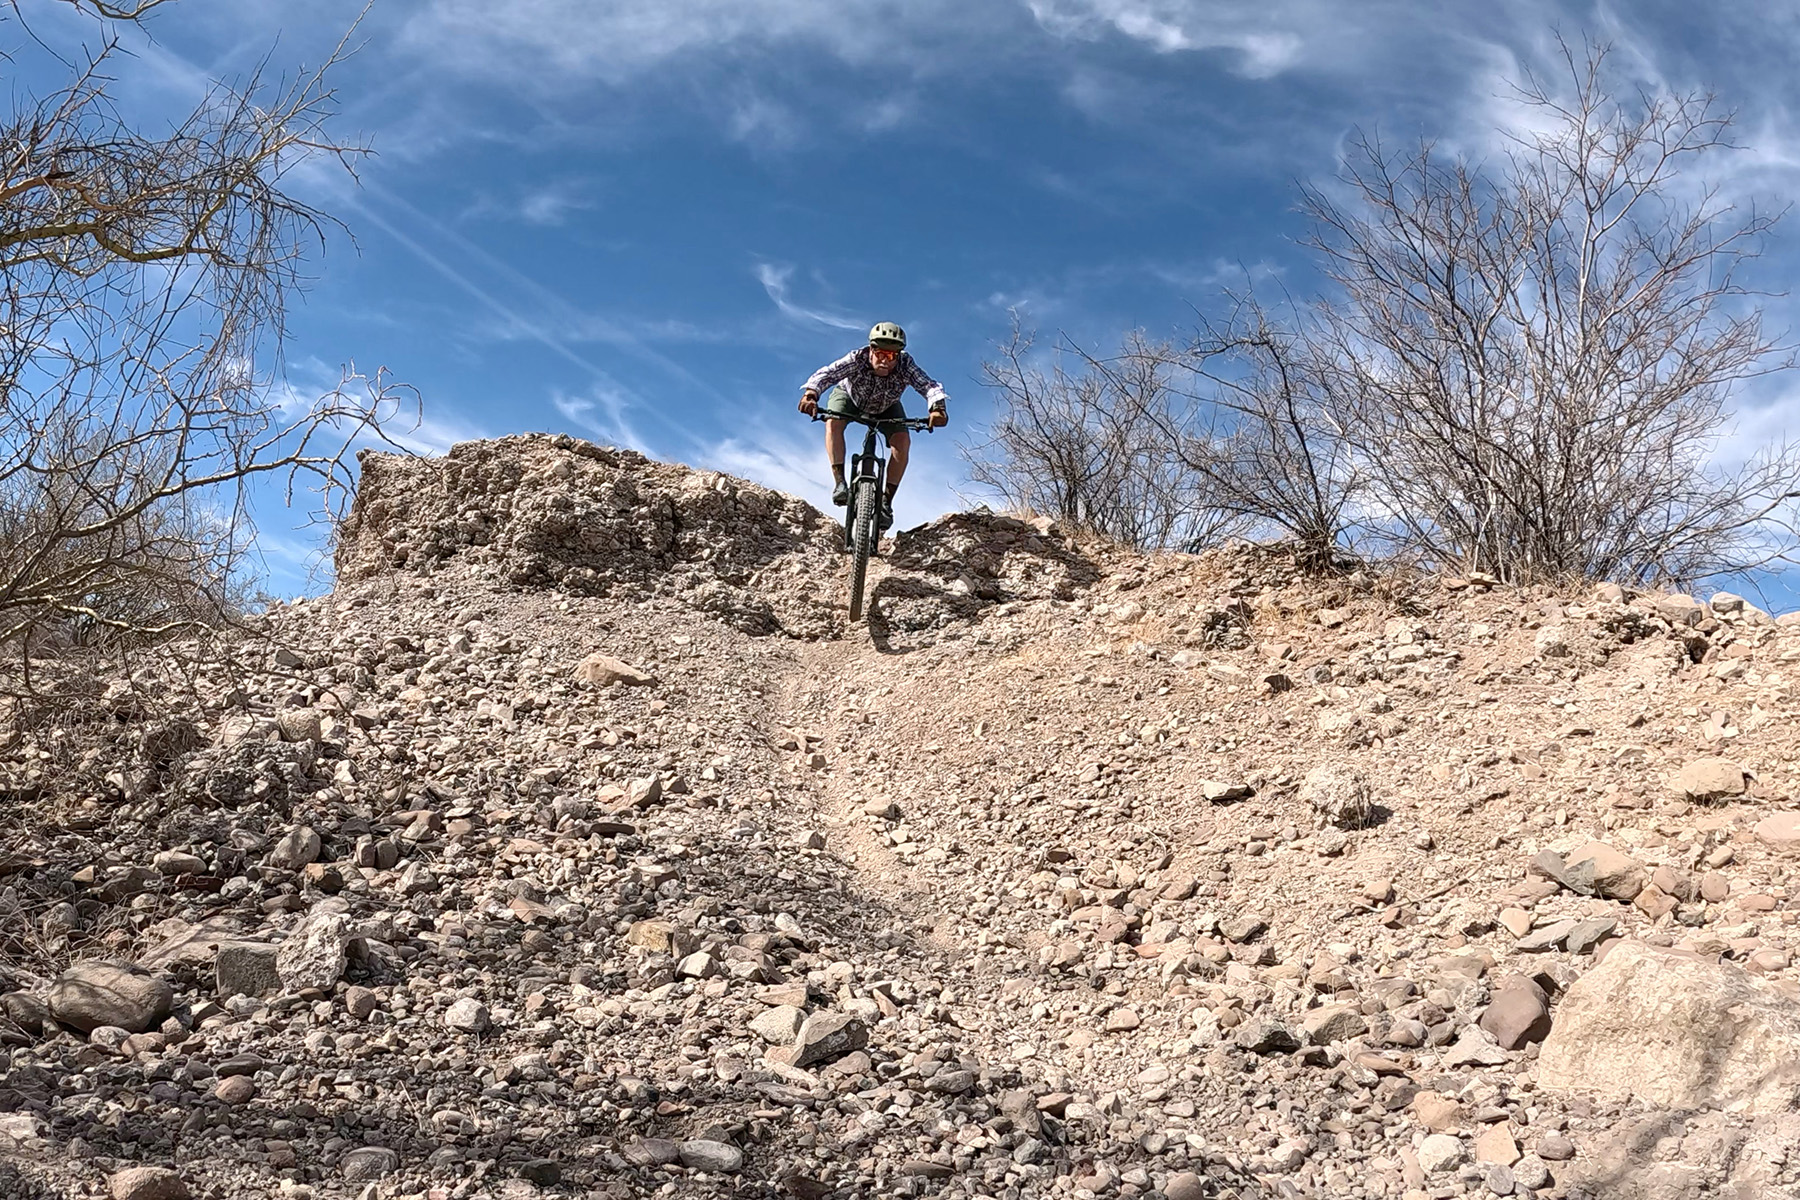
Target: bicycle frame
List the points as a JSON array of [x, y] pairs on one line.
[[869, 464]]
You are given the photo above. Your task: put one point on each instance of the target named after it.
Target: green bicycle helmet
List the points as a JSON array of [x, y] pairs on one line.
[[888, 334]]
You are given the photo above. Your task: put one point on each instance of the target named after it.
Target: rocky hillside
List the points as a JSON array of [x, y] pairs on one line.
[[575, 847]]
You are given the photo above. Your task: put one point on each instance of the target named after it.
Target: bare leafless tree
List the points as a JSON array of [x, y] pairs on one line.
[[1536, 354], [1091, 442], [1261, 429], [143, 285]]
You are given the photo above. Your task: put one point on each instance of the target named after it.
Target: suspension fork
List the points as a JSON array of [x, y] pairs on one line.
[[867, 465]]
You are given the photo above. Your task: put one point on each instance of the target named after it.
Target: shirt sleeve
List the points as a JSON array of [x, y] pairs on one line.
[[830, 373], [926, 386]]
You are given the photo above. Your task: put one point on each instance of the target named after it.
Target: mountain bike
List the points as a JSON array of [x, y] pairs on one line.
[[868, 475]]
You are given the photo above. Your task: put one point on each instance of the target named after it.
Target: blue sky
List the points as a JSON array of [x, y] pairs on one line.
[[646, 221]]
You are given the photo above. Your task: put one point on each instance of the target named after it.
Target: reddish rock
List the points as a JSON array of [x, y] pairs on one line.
[[1519, 1013]]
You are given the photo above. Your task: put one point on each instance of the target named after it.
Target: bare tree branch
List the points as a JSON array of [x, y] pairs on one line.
[[1534, 361], [143, 291], [1092, 446]]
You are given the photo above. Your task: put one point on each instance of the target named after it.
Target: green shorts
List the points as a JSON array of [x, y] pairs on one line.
[[837, 403]]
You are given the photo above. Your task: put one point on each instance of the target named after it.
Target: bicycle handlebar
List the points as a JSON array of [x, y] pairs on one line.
[[913, 423]]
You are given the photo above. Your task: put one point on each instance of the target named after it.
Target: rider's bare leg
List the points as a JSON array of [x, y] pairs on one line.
[[834, 448], [899, 445]]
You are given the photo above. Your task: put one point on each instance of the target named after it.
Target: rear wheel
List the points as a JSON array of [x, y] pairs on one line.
[[862, 541]]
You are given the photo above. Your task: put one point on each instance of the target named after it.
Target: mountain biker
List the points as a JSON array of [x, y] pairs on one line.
[[867, 382]]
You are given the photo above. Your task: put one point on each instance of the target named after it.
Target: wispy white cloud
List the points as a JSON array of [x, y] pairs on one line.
[[557, 42], [551, 205], [775, 278], [1265, 38], [604, 412]]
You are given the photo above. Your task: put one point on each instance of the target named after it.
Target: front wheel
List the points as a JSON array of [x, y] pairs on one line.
[[862, 541]]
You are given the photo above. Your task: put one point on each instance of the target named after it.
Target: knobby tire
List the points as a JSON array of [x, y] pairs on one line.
[[862, 542]]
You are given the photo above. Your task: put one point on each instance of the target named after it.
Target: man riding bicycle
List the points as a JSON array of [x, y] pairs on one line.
[[868, 382]]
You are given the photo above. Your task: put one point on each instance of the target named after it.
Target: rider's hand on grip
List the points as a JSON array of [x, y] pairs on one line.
[[809, 404], [937, 418]]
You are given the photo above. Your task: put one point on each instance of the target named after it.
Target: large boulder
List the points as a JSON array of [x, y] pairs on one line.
[[1676, 1031]]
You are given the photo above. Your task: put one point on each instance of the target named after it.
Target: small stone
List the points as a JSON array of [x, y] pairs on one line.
[[1554, 1147], [315, 955], [812, 839], [95, 993], [1496, 1145], [1531, 1173], [1338, 794], [1263, 1036], [698, 965], [239, 1064], [1706, 779], [703, 1154], [147, 1183], [300, 725], [663, 937], [1780, 831], [544, 1172], [778, 1026], [1333, 1023], [1441, 1152], [823, 1037], [1185, 1186], [1676, 883], [600, 670], [1436, 1112], [171, 863], [1516, 921], [1122, 1020], [235, 1090], [360, 1003], [246, 969], [1714, 887], [468, 1015], [1590, 933], [777, 994], [296, 848], [1599, 870], [367, 1164], [653, 1152]]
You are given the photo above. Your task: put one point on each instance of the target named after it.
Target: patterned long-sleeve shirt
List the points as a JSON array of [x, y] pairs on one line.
[[873, 393]]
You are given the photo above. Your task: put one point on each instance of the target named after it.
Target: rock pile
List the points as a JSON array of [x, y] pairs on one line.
[[528, 864]]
